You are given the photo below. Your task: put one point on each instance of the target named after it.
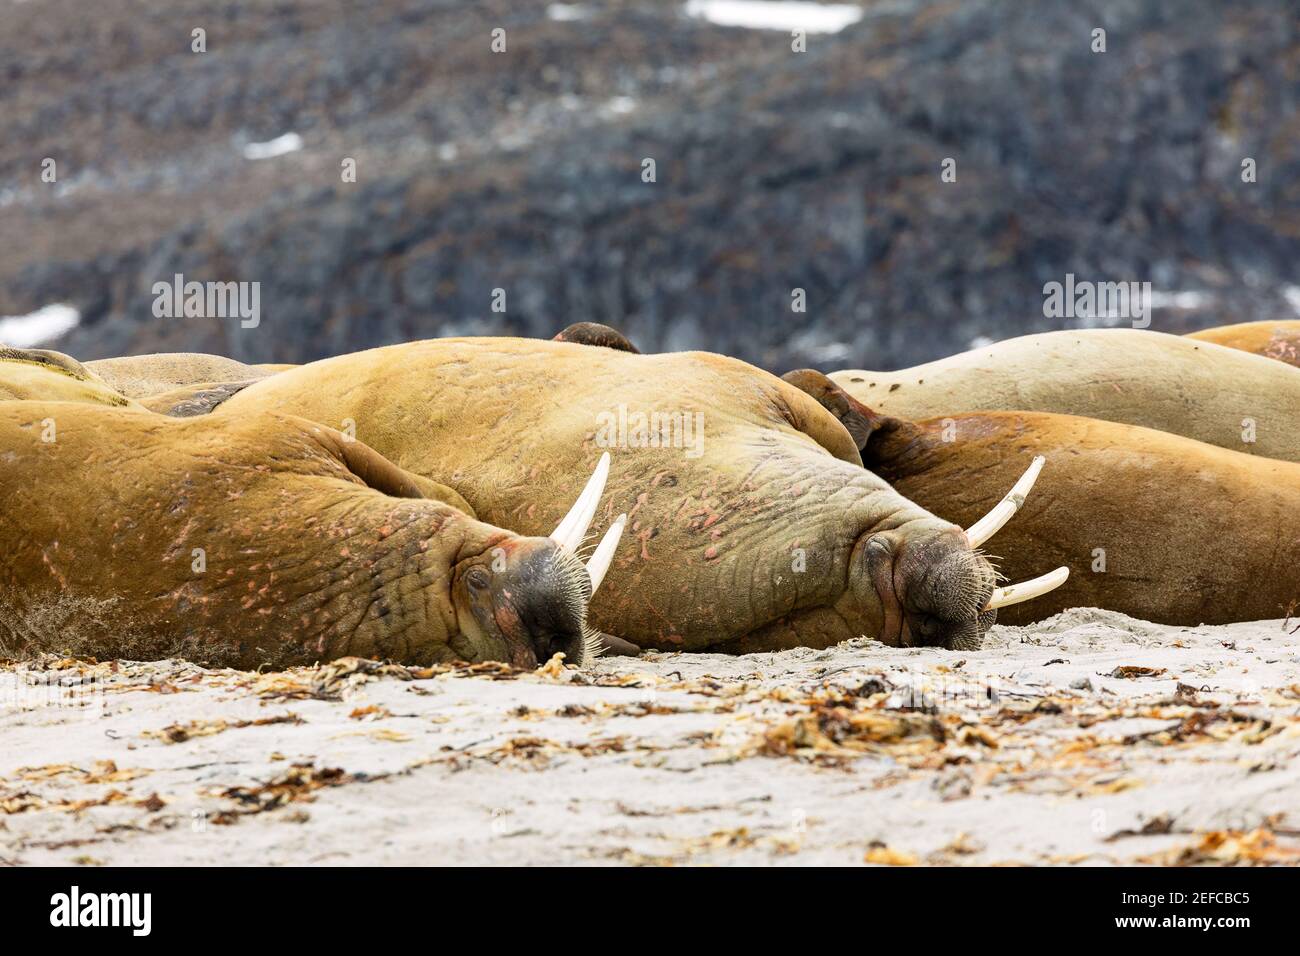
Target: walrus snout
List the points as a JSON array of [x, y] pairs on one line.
[[933, 589], [527, 600], [530, 601]]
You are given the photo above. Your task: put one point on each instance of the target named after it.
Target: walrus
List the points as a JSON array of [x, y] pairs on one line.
[[753, 524], [1176, 531], [1179, 385], [140, 376], [266, 540], [52, 376], [593, 333], [1276, 340]]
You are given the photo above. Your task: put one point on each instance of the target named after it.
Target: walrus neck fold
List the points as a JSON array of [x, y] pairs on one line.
[[897, 446]]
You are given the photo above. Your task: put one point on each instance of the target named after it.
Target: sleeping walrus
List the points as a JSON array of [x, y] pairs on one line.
[[260, 539], [52, 376], [139, 376], [1175, 384], [1276, 340], [753, 523], [1177, 531]]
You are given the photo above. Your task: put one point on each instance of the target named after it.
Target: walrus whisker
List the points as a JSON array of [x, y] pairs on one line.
[[993, 561], [1027, 590], [1003, 511], [573, 527], [604, 554], [587, 548], [592, 646]]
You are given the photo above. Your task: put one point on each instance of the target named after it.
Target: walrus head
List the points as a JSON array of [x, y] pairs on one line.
[[532, 606], [525, 599], [932, 588], [935, 586], [593, 333]]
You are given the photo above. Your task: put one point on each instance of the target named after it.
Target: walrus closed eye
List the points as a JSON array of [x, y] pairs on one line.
[[266, 540]]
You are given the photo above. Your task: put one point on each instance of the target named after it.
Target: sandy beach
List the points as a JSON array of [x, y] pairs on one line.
[[1087, 739]]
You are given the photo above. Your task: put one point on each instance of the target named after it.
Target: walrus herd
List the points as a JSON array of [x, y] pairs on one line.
[[416, 502]]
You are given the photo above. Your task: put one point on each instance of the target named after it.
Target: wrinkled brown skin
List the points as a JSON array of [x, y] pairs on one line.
[[1136, 377], [42, 374], [1192, 533], [315, 547], [1276, 340], [140, 376], [708, 560]]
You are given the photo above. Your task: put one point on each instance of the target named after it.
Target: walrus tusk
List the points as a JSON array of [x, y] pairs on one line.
[[604, 554], [573, 527], [1026, 590], [992, 522]]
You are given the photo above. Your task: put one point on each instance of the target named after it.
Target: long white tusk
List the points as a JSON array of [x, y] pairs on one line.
[[572, 529], [992, 522], [604, 553], [1027, 590]]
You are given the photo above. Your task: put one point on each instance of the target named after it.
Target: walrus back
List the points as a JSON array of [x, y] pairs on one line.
[[1199, 390]]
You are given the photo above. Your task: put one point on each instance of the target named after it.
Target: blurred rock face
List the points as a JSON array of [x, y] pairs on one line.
[[524, 171]]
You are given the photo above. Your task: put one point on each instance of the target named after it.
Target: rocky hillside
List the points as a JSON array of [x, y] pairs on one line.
[[523, 170]]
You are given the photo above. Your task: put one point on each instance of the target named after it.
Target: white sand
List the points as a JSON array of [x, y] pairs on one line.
[[673, 766]]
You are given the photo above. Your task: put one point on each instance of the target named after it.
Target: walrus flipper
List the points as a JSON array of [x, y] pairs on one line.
[[381, 474], [612, 646], [593, 333], [860, 420], [191, 400]]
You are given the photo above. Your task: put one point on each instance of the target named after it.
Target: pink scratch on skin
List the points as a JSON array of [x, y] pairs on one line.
[[63, 583]]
